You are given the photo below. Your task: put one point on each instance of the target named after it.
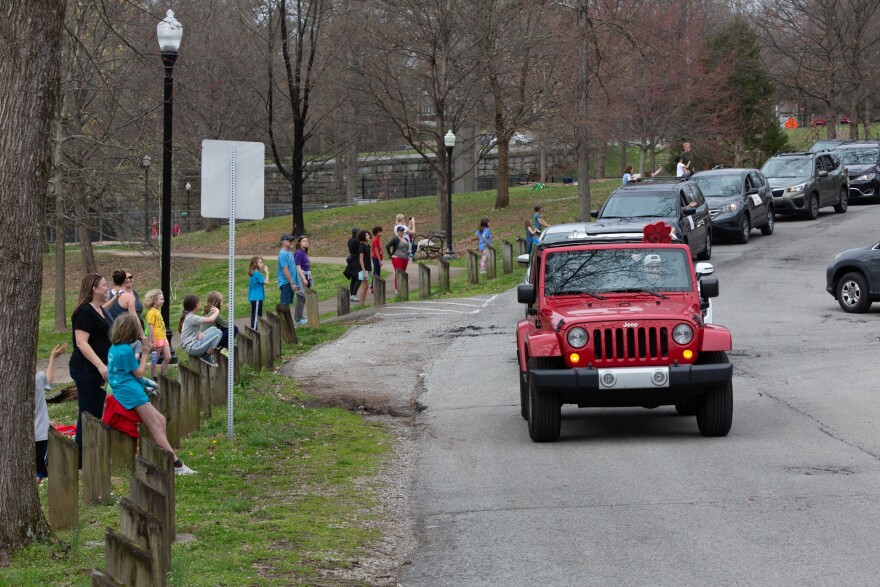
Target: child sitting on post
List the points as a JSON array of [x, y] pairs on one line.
[[196, 343], [126, 378]]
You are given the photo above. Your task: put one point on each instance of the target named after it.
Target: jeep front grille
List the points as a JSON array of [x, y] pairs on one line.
[[630, 343]]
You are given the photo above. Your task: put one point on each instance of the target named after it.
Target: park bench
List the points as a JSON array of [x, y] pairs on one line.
[[431, 245]]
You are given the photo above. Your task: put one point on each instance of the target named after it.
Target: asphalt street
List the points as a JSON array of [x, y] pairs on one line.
[[634, 496], [638, 497]]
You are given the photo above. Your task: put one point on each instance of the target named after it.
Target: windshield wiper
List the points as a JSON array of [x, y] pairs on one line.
[[637, 290], [576, 292]]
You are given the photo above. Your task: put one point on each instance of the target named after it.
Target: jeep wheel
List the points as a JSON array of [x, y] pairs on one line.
[[852, 293], [745, 227], [706, 254], [715, 408], [842, 201], [524, 395], [545, 411], [767, 229], [813, 207], [686, 408]]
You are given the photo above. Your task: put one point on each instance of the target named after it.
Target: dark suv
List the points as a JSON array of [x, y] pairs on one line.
[[862, 164], [804, 182], [739, 200], [677, 202]]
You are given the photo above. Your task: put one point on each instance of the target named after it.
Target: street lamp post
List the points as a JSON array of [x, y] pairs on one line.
[[449, 140], [146, 164], [169, 33], [188, 210]]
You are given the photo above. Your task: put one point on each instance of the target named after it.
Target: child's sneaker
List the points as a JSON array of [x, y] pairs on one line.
[[208, 360], [183, 470], [302, 322]]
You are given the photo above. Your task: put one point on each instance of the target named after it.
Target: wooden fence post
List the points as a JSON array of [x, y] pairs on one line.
[[163, 461], [267, 343], [95, 460], [170, 390], [443, 275], [126, 561], [191, 383], [402, 285], [473, 267], [122, 447], [343, 301], [205, 387], [520, 246], [288, 332], [424, 281], [313, 314], [63, 481], [102, 579], [276, 333], [379, 291], [261, 349], [491, 267], [507, 258], [148, 531]]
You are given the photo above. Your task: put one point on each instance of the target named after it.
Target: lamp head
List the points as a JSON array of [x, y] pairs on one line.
[[449, 139], [147, 161], [169, 32], [188, 186]]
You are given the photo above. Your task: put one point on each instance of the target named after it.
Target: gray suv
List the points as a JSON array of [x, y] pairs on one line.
[[804, 182]]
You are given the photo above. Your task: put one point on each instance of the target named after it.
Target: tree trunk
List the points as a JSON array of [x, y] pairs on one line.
[[351, 172], [30, 43], [60, 249], [643, 150], [543, 162], [296, 183], [502, 184], [583, 139], [83, 229]]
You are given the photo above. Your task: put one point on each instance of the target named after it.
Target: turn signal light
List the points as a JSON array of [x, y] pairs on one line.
[[574, 358], [688, 354]]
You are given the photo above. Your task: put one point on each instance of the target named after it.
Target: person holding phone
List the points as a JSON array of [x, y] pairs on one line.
[[365, 265]]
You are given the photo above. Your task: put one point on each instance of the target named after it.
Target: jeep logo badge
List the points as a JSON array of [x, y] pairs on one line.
[[630, 324]]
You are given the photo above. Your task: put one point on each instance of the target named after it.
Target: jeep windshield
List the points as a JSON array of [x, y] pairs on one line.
[[719, 186], [867, 156], [641, 205], [624, 270], [788, 167]]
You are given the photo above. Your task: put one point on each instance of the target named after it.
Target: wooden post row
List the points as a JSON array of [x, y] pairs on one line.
[[424, 281], [170, 390], [378, 291], [276, 333], [95, 460], [443, 275], [163, 461], [148, 532], [288, 332], [343, 301], [473, 267], [63, 481], [313, 314], [267, 343], [490, 264], [127, 562], [507, 258], [402, 285], [258, 357]]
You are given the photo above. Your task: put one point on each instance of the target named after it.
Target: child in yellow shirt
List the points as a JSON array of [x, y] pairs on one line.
[[154, 300]]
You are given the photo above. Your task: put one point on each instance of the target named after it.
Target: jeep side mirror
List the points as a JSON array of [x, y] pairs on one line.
[[525, 294], [708, 288], [704, 269], [594, 213], [523, 259]]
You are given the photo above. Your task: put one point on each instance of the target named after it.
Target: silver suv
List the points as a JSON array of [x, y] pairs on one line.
[[804, 182]]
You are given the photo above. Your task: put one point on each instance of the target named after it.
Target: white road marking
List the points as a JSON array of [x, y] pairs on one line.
[[430, 307]]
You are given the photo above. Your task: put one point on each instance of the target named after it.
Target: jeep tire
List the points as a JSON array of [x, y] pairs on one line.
[[852, 293], [545, 410], [812, 211], [842, 200], [715, 407]]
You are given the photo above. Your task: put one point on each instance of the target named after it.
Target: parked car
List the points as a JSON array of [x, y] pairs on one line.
[[677, 202], [617, 324], [817, 120], [853, 278], [844, 120], [862, 164], [739, 200], [803, 183], [828, 144]]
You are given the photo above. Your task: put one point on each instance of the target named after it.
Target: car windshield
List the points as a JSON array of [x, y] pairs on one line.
[[641, 205], [788, 167], [824, 145], [867, 156], [718, 186], [631, 269]]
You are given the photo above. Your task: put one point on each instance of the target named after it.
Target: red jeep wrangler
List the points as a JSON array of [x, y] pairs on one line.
[[618, 322]]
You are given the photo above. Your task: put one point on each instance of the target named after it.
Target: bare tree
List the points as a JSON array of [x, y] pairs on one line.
[[29, 38]]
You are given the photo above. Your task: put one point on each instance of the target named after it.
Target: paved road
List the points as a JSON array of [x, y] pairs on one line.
[[638, 497]]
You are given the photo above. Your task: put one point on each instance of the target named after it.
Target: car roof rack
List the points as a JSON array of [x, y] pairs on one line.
[[582, 238]]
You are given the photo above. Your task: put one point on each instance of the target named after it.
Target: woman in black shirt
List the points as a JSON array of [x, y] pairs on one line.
[[91, 343]]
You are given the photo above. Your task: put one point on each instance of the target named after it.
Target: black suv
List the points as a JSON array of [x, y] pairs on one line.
[[862, 163], [804, 182], [739, 200], [677, 202]]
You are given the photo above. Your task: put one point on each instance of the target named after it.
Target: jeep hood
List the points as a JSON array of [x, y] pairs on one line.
[[784, 182], [641, 307]]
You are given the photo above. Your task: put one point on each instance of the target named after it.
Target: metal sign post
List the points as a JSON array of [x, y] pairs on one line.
[[231, 169]]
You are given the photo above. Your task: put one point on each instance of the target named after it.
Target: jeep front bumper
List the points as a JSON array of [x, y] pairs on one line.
[[660, 381]]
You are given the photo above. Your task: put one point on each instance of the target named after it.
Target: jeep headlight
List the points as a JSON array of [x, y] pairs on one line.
[[796, 188], [732, 207], [578, 337], [682, 334], [866, 177]]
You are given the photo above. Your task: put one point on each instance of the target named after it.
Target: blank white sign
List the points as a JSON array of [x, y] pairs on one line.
[[250, 166]]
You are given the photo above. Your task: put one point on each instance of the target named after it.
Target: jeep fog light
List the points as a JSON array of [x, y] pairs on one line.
[[682, 334], [574, 358], [608, 379], [578, 337], [659, 377]]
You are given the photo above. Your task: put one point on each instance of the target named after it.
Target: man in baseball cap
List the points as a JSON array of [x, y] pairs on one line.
[[286, 269]]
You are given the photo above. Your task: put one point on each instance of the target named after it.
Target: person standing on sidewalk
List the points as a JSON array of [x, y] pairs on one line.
[[377, 255], [259, 275], [398, 249], [353, 264], [286, 270], [304, 274]]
